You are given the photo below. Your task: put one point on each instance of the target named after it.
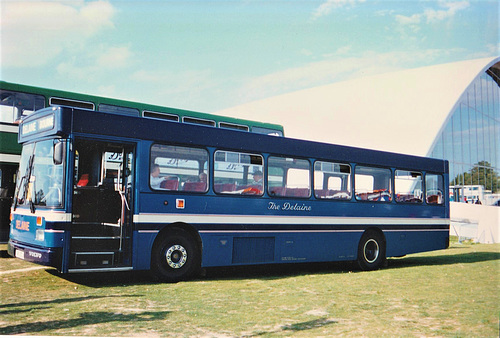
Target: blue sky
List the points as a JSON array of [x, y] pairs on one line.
[[211, 55]]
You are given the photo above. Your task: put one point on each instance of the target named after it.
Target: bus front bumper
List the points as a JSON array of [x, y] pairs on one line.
[[43, 256]]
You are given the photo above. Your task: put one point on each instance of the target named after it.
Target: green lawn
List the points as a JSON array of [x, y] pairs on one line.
[[454, 292]]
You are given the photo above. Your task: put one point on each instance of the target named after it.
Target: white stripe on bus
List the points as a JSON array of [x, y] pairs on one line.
[[283, 220], [48, 215]]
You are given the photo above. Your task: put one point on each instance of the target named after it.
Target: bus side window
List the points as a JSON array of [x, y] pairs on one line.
[[175, 168], [408, 186], [434, 188], [289, 177], [332, 181], [238, 173], [14, 105], [88, 160], [372, 184]]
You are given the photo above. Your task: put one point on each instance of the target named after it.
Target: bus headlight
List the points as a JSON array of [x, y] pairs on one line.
[[40, 235]]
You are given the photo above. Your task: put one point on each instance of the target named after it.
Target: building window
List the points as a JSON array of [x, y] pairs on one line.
[[470, 141]]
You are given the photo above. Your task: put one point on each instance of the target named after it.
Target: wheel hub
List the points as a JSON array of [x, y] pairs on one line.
[[371, 251], [176, 256]]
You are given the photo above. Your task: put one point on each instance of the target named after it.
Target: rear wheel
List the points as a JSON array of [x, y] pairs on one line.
[[371, 251], [175, 256]]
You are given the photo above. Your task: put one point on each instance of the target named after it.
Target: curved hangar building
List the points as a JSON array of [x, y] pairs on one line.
[[448, 111]]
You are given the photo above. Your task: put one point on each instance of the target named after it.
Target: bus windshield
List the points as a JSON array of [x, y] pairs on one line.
[[40, 178]]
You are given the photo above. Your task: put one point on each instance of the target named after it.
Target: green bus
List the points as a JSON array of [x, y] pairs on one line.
[[18, 101]]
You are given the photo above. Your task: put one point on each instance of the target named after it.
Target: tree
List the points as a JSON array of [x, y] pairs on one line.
[[481, 174]]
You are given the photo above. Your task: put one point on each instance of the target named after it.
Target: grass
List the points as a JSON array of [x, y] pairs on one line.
[[454, 292]]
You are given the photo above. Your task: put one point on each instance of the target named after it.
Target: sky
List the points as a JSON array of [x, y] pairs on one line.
[[211, 55]]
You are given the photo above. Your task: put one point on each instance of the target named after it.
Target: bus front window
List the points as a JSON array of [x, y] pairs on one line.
[[40, 180]]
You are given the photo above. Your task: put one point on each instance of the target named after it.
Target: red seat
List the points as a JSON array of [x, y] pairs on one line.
[[195, 186], [298, 192], [252, 189], [277, 191], [224, 187], [170, 184], [84, 180]]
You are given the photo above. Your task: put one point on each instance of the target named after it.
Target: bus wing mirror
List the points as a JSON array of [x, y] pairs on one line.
[[59, 150]]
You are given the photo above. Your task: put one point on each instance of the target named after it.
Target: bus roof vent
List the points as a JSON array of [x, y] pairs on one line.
[[226, 125], [57, 101], [162, 116], [194, 120]]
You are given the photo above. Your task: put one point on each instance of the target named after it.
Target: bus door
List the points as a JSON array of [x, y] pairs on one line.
[[102, 202]]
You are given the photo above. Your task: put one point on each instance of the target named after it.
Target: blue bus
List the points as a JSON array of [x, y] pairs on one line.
[[18, 101], [102, 192]]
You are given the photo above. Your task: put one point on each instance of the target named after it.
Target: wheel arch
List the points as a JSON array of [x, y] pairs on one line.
[[377, 231], [188, 228]]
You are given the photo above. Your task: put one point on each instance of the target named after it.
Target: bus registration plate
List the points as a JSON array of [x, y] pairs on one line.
[[20, 254]]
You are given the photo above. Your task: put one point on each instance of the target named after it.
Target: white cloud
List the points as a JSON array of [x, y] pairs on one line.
[[114, 57], [326, 7], [408, 20], [34, 33], [451, 8], [187, 89], [409, 27], [489, 51], [306, 52], [89, 66], [333, 69], [343, 50], [434, 15]]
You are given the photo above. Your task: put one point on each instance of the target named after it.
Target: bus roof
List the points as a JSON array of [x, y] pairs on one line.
[[90, 122], [143, 109]]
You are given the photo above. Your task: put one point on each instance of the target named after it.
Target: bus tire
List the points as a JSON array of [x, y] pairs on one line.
[[371, 251], [175, 256]]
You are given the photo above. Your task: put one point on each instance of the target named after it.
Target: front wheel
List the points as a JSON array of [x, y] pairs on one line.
[[371, 251], [175, 256]]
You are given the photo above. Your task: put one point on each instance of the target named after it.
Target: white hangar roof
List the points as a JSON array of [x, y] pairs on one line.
[[399, 112]]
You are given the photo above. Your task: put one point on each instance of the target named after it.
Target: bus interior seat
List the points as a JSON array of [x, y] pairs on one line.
[[277, 191], [195, 186], [297, 192], [170, 184], [83, 181], [224, 187]]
